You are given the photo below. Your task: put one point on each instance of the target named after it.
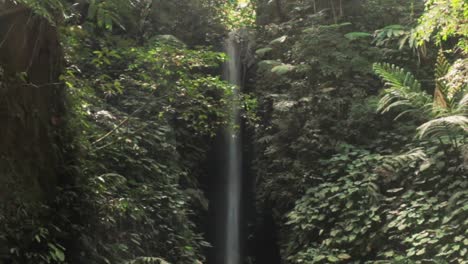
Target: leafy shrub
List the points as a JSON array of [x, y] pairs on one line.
[[141, 104], [365, 189], [26, 238]]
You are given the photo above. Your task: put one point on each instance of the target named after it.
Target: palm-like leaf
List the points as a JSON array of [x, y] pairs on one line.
[[457, 120], [440, 126], [397, 77], [403, 90]]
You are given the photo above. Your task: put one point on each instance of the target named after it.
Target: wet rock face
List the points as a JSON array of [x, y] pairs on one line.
[[30, 98]]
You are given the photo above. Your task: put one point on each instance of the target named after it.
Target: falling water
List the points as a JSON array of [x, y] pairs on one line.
[[233, 171]]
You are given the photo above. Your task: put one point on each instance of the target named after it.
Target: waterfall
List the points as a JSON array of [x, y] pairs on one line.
[[233, 170]]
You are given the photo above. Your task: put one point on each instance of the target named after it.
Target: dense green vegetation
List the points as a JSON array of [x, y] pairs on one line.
[[357, 112], [355, 173], [142, 109]]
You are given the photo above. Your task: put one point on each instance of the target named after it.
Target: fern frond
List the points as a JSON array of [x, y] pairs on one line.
[[403, 90], [442, 66], [443, 126], [393, 163], [441, 99], [397, 77], [410, 101]]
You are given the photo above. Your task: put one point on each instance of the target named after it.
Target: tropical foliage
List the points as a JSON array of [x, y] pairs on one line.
[[143, 111], [374, 173], [356, 125]]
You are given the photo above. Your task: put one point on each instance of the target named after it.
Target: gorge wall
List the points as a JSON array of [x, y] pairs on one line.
[[30, 113]]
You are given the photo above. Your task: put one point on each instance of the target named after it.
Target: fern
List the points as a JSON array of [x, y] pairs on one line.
[[449, 125], [394, 163], [440, 126], [397, 77], [403, 90], [442, 66], [441, 89]]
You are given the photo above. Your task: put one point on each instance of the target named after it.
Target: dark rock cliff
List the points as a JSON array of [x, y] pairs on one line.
[[31, 105]]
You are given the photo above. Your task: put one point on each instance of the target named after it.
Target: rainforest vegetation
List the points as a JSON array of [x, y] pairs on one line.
[[353, 125]]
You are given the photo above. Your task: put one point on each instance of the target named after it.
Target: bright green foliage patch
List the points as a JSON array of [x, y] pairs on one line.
[[445, 19]]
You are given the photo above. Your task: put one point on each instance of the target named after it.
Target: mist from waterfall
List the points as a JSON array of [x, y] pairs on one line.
[[233, 170]]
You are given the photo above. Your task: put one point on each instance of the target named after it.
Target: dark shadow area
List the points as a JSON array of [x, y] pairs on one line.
[[265, 248]]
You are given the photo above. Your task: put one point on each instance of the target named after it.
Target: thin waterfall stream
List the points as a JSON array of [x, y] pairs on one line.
[[233, 169]]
